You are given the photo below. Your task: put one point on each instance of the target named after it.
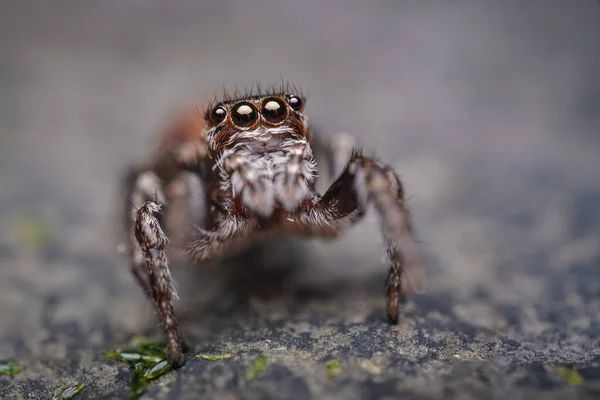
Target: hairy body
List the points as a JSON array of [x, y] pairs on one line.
[[243, 170]]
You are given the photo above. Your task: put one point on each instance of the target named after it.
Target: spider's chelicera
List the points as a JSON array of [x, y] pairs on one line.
[[249, 167]]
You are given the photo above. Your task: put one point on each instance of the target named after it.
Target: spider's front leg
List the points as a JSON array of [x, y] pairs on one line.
[[365, 181], [150, 191], [149, 259]]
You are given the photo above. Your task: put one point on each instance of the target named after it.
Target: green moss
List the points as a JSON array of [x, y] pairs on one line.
[[258, 367], [33, 231], [215, 357], [10, 368], [333, 367], [157, 349], [148, 360], [570, 376], [70, 392], [131, 356]]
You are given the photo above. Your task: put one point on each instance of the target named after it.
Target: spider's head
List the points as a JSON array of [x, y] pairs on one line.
[[261, 122], [261, 144]]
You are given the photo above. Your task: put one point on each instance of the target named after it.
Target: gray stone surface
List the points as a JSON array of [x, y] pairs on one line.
[[489, 111]]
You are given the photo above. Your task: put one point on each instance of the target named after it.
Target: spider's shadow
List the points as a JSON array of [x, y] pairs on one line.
[[268, 272], [264, 271]]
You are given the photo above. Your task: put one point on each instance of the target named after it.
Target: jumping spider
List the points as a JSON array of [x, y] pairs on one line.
[[250, 172]]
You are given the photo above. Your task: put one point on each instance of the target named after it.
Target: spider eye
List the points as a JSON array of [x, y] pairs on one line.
[[274, 110], [244, 114], [218, 114], [295, 102]]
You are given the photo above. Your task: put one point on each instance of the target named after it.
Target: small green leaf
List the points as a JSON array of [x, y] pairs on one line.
[[157, 370], [132, 356], [215, 357], [10, 368], [70, 392], [156, 349], [333, 367], [139, 366], [148, 360], [258, 367], [146, 346], [570, 376]]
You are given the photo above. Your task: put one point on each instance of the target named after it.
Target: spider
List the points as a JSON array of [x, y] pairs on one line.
[[248, 166]]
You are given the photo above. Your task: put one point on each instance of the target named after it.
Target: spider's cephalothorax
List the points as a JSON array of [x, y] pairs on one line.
[[246, 171]]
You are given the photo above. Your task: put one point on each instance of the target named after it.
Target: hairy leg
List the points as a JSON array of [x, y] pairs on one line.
[[141, 187], [152, 240], [150, 189], [365, 181], [149, 259]]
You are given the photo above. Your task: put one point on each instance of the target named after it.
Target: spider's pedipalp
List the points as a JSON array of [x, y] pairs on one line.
[[266, 168], [251, 179], [295, 174], [204, 245]]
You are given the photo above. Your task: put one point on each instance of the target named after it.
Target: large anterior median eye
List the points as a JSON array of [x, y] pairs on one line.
[[274, 110], [218, 114], [244, 114]]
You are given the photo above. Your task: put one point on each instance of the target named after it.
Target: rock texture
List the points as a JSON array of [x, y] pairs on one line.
[[488, 111]]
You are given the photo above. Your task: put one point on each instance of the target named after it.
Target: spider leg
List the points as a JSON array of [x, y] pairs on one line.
[[142, 186], [362, 182], [149, 259], [173, 178]]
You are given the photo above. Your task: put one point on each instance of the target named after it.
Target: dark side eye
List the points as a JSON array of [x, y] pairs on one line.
[[274, 110], [295, 102], [218, 114], [244, 114]]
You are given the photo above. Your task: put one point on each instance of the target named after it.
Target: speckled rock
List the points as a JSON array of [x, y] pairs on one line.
[[488, 112]]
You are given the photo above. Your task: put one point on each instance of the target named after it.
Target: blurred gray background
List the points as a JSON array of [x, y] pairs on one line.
[[489, 111]]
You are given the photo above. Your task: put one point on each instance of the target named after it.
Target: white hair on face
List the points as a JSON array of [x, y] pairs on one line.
[[282, 175]]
